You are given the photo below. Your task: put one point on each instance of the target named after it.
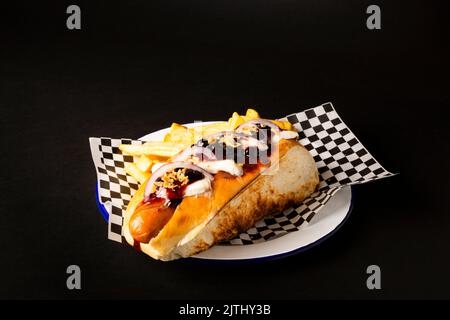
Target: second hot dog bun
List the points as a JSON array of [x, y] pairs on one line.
[[234, 206]]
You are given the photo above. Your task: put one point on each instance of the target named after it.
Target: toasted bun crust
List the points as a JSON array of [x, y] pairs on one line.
[[233, 207]]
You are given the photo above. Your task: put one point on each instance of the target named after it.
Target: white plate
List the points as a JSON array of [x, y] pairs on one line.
[[324, 223]]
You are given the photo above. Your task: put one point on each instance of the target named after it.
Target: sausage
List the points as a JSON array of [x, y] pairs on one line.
[[148, 219]]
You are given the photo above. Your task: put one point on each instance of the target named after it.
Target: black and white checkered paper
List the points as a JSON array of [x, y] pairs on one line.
[[340, 158]]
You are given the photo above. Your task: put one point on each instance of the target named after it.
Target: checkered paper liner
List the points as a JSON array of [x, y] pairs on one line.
[[340, 158]]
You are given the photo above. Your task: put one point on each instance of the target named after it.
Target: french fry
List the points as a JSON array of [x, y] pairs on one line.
[[156, 159], [235, 121], [153, 148], [187, 136], [215, 127], [144, 163], [132, 170], [252, 114], [179, 134], [168, 138], [284, 125], [208, 129], [176, 126]]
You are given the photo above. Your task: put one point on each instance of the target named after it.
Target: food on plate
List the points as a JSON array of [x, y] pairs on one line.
[[224, 178]]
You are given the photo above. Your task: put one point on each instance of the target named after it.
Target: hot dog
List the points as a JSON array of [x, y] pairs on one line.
[[217, 188]]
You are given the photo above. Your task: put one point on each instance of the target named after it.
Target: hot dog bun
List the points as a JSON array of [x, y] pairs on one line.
[[234, 205]]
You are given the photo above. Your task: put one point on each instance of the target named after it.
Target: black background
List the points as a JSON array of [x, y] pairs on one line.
[[137, 66]]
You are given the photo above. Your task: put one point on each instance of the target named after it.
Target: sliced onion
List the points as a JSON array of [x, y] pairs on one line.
[[205, 154], [168, 167], [253, 142], [157, 165], [262, 122]]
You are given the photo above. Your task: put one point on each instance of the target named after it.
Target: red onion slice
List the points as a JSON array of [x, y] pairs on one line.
[[205, 154], [168, 167]]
